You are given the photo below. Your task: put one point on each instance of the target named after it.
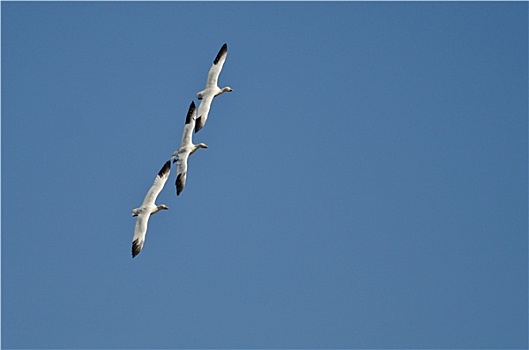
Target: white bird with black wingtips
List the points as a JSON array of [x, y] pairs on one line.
[[212, 88], [148, 207], [186, 149]]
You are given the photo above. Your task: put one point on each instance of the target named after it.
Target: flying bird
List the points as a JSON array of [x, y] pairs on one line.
[[187, 148], [211, 90], [148, 207]]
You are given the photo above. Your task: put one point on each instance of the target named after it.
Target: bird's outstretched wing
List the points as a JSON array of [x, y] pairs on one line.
[[203, 111], [140, 230], [187, 134], [181, 173], [216, 67], [158, 184]]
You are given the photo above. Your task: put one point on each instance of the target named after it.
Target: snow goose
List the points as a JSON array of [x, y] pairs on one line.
[[212, 88], [148, 208], [186, 149]]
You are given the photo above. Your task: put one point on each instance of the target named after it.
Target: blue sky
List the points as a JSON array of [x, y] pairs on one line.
[[365, 185]]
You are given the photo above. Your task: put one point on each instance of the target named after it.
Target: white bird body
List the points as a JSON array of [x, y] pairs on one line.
[[212, 89], [148, 208], [186, 149]]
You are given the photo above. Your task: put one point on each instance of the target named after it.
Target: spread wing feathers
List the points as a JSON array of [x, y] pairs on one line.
[[190, 124], [203, 111], [140, 229], [158, 184], [181, 173], [214, 71]]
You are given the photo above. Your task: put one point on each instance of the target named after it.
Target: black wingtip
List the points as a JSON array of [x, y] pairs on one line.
[[179, 185], [222, 52], [198, 124], [165, 169], [190, 112], [136, 248]]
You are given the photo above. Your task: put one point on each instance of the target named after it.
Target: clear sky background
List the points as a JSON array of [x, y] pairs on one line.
[[365, 185]]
